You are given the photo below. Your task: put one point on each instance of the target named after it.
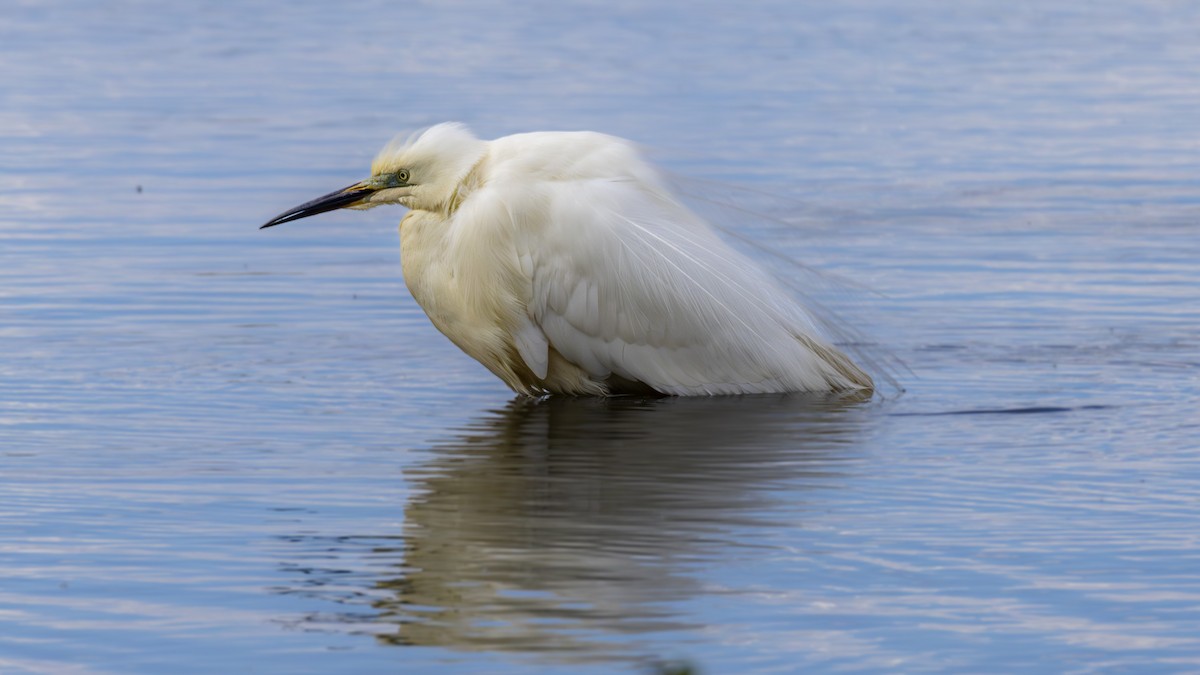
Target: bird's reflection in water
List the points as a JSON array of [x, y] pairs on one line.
[[568, 526]]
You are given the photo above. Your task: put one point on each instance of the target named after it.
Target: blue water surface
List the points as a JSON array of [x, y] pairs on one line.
[[226, 450]]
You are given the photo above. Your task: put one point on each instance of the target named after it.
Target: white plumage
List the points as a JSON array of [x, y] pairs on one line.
[[560, 262]]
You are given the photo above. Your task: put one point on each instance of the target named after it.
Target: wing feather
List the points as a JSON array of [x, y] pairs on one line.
[[625, 281], [532, 346]]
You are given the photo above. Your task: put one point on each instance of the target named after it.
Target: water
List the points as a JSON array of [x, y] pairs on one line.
[[224, 448]]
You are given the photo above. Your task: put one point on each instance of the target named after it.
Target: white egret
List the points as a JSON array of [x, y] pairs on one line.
[[560, 262]]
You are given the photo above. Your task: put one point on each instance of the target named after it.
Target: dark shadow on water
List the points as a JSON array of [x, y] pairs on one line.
[[569, 528], [1032, 410]]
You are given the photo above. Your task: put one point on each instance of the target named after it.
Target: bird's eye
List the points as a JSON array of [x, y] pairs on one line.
[[402, 175]]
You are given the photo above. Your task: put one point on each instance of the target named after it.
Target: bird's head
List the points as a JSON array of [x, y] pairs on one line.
[[421, 171]]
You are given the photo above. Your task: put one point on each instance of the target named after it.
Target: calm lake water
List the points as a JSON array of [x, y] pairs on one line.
[[225, 450]]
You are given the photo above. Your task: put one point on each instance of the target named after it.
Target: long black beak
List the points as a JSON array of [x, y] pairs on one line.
[[334, 200]]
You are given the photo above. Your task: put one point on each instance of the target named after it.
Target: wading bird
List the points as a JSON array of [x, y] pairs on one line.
[[560, 262]]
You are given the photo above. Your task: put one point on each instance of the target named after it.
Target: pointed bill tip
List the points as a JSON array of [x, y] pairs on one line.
[[348, 196]]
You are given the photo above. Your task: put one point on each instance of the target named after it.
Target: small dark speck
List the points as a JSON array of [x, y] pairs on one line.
[[139, 189], [64, 585], [356, 296], [674, 668]]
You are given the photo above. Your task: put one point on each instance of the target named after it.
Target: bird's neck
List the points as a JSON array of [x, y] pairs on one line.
[[457, 180], [463, 188]]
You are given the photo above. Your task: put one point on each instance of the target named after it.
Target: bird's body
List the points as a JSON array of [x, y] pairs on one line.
[[560, 262]]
